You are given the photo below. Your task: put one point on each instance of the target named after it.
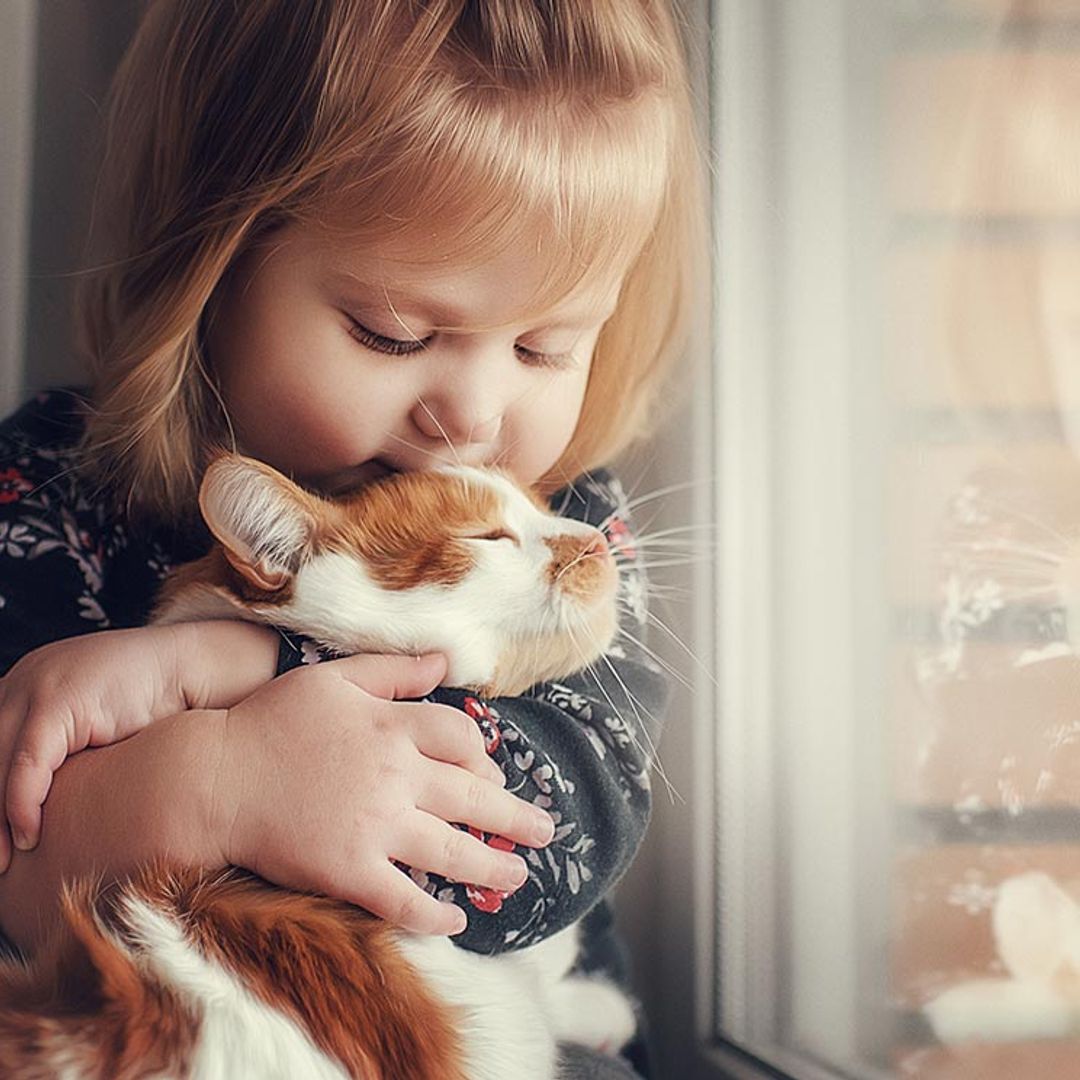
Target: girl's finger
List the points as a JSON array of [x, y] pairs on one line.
[[391, 677], [430, 844], [446, 734], [460, 798], [11, 715], [393, 896], [39, 750], [9, 719]]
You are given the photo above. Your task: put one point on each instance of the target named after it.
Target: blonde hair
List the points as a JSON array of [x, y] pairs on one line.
[[380, 117]]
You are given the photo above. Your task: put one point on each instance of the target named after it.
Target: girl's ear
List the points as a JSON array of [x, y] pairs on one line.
[[264, 521]]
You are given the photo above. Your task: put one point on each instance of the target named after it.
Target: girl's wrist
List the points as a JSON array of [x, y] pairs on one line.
[[218, 800], [221, 661]]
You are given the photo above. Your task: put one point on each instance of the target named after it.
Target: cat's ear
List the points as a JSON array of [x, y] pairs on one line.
[[264, 521]]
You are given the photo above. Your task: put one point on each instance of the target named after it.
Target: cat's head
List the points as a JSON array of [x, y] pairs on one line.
[[457, 560]]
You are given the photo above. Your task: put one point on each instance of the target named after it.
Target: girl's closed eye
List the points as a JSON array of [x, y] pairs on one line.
[[388, 345], [557, 360], [391, 346]]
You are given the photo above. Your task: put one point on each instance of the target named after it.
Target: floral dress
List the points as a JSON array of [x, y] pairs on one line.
[[580, 747]]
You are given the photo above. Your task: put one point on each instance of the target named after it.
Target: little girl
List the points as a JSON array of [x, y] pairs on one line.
[[346, 237]]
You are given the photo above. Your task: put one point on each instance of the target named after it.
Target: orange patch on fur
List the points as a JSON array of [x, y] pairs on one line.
[[409, 528], [330, 967], [82, 1002], [214, 572], [581, 566]]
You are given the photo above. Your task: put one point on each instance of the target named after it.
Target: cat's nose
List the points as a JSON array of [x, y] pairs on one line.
[[580, 563], [597, 546]]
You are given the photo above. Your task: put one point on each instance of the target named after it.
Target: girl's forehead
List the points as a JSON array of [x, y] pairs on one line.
[[516, 283]]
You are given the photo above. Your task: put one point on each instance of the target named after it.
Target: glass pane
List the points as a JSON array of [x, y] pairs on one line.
[[899, 763]]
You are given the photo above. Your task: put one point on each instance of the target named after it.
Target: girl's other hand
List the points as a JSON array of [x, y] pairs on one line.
[[102, 687], [325, 781]]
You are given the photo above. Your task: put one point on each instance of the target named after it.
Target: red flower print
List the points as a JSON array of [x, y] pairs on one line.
[[13, 485], [480, 896], [485, 899], [621, 538], [485, 718]]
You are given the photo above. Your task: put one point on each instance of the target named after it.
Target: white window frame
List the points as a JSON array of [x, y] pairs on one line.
[[788, 270]]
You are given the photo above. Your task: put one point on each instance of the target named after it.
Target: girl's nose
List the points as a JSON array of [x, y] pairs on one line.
[[451, 416]]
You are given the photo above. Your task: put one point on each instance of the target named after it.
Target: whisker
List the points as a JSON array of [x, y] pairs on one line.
[[413, 446], [659, 493], [663, 591], [627, 509], [661, 563], [673, 672], [505, 452], [676, 545], [657, 621], [442, 431], [579, 558], [649, 749], [675, 530]]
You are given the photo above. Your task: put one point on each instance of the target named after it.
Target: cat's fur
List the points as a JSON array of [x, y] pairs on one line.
[[177, 973]]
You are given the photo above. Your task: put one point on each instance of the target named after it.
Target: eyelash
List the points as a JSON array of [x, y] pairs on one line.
[[396, 347], [388, 345]]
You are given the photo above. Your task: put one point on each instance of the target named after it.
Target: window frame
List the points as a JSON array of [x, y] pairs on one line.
[[780, 151]]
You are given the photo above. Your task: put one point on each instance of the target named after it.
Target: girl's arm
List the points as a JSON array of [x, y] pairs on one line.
[[96, 689], [320, 781], [113, 808]]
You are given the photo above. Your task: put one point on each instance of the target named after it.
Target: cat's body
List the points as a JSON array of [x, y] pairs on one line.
[[182, 974]]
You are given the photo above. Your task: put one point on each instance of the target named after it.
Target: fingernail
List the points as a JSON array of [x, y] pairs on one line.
[[461, 924], [543, 830], [518, 874], [22, 841]]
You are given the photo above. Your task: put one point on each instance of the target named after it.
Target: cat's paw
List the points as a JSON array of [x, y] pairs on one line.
[[594, 1013]]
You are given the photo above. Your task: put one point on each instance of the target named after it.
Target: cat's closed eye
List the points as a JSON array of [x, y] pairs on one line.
[[498, 534]]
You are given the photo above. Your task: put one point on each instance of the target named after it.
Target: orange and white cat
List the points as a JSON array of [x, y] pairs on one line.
[[177, 973]]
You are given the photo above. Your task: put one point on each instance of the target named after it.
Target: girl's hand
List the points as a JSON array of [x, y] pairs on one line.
[[102, 687], [325, 781]]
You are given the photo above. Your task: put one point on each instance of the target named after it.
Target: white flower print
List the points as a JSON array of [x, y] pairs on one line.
[[15, 539]]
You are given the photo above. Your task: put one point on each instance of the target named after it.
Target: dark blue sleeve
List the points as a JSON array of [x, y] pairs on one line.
[[52, 551], [581, 747]]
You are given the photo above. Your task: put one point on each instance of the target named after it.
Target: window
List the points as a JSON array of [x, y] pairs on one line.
[[877, 853]]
